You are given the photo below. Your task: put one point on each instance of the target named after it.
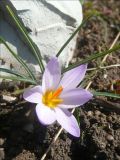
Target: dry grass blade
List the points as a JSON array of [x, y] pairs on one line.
[[112, 45], [52, 143], [105, 57], [105, 67]]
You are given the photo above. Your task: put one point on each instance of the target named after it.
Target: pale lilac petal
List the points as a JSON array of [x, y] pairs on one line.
[[45, 114], [67, 121], [51, 76], [67, 106], [33, 95], [72, 78], [75, 96]]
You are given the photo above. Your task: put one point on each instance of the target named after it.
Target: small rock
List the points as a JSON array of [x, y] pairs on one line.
[[9, 98], [1, 141], [2, 154], [103, 120], [90, 113], [117, 157], [103, 145], [105, 76], [110, 137], [109, 119], [97, 113]]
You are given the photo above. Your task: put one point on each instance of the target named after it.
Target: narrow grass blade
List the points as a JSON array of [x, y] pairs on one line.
[[11, 72], [32, 45], [19, 79], [92, 57], [74, 33], [81, 1], [18, 91], [106, 94], [19, 59]]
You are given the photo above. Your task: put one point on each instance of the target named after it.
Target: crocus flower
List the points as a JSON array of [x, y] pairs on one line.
[[58, 94]]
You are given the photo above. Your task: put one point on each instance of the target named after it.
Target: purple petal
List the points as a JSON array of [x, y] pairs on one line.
[[33, 95], [45, 114], [75, 97], [67, 106], [72, 78], [51, 76], [67, 121]]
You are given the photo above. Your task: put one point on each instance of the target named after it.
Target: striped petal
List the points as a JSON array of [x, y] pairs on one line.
[[45, 114], [33, 95], [51, 76], [67, 121], [72, 78], [76, 96]]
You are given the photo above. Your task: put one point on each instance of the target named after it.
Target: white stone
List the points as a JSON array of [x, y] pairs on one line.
[[9, 98], [51, 22]]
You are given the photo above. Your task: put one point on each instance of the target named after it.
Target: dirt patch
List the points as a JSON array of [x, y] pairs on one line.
[[22, 137]]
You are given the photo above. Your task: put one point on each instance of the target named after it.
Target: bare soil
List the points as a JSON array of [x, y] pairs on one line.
[[22, 137]]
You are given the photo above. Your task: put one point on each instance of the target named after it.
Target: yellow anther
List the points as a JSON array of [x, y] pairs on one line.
[[51, 98]]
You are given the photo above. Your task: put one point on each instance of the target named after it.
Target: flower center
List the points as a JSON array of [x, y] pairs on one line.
[[51, 98]]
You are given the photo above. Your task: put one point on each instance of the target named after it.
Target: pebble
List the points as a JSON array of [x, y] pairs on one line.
[[103, 145], [9, 98], [110, 137], [1, 141], [97, 113], [90, 113], [2, 154], [105, 76], [117, 157], [109, 119]]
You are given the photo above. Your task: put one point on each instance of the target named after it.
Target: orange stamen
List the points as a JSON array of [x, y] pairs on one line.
[[51, 98], [57, 92]]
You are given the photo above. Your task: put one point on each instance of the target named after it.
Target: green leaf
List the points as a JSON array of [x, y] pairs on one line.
[[32, 45], [74, 33], [106, 94], [19, 79], [19, 59], [92, 57], [11, 72]]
